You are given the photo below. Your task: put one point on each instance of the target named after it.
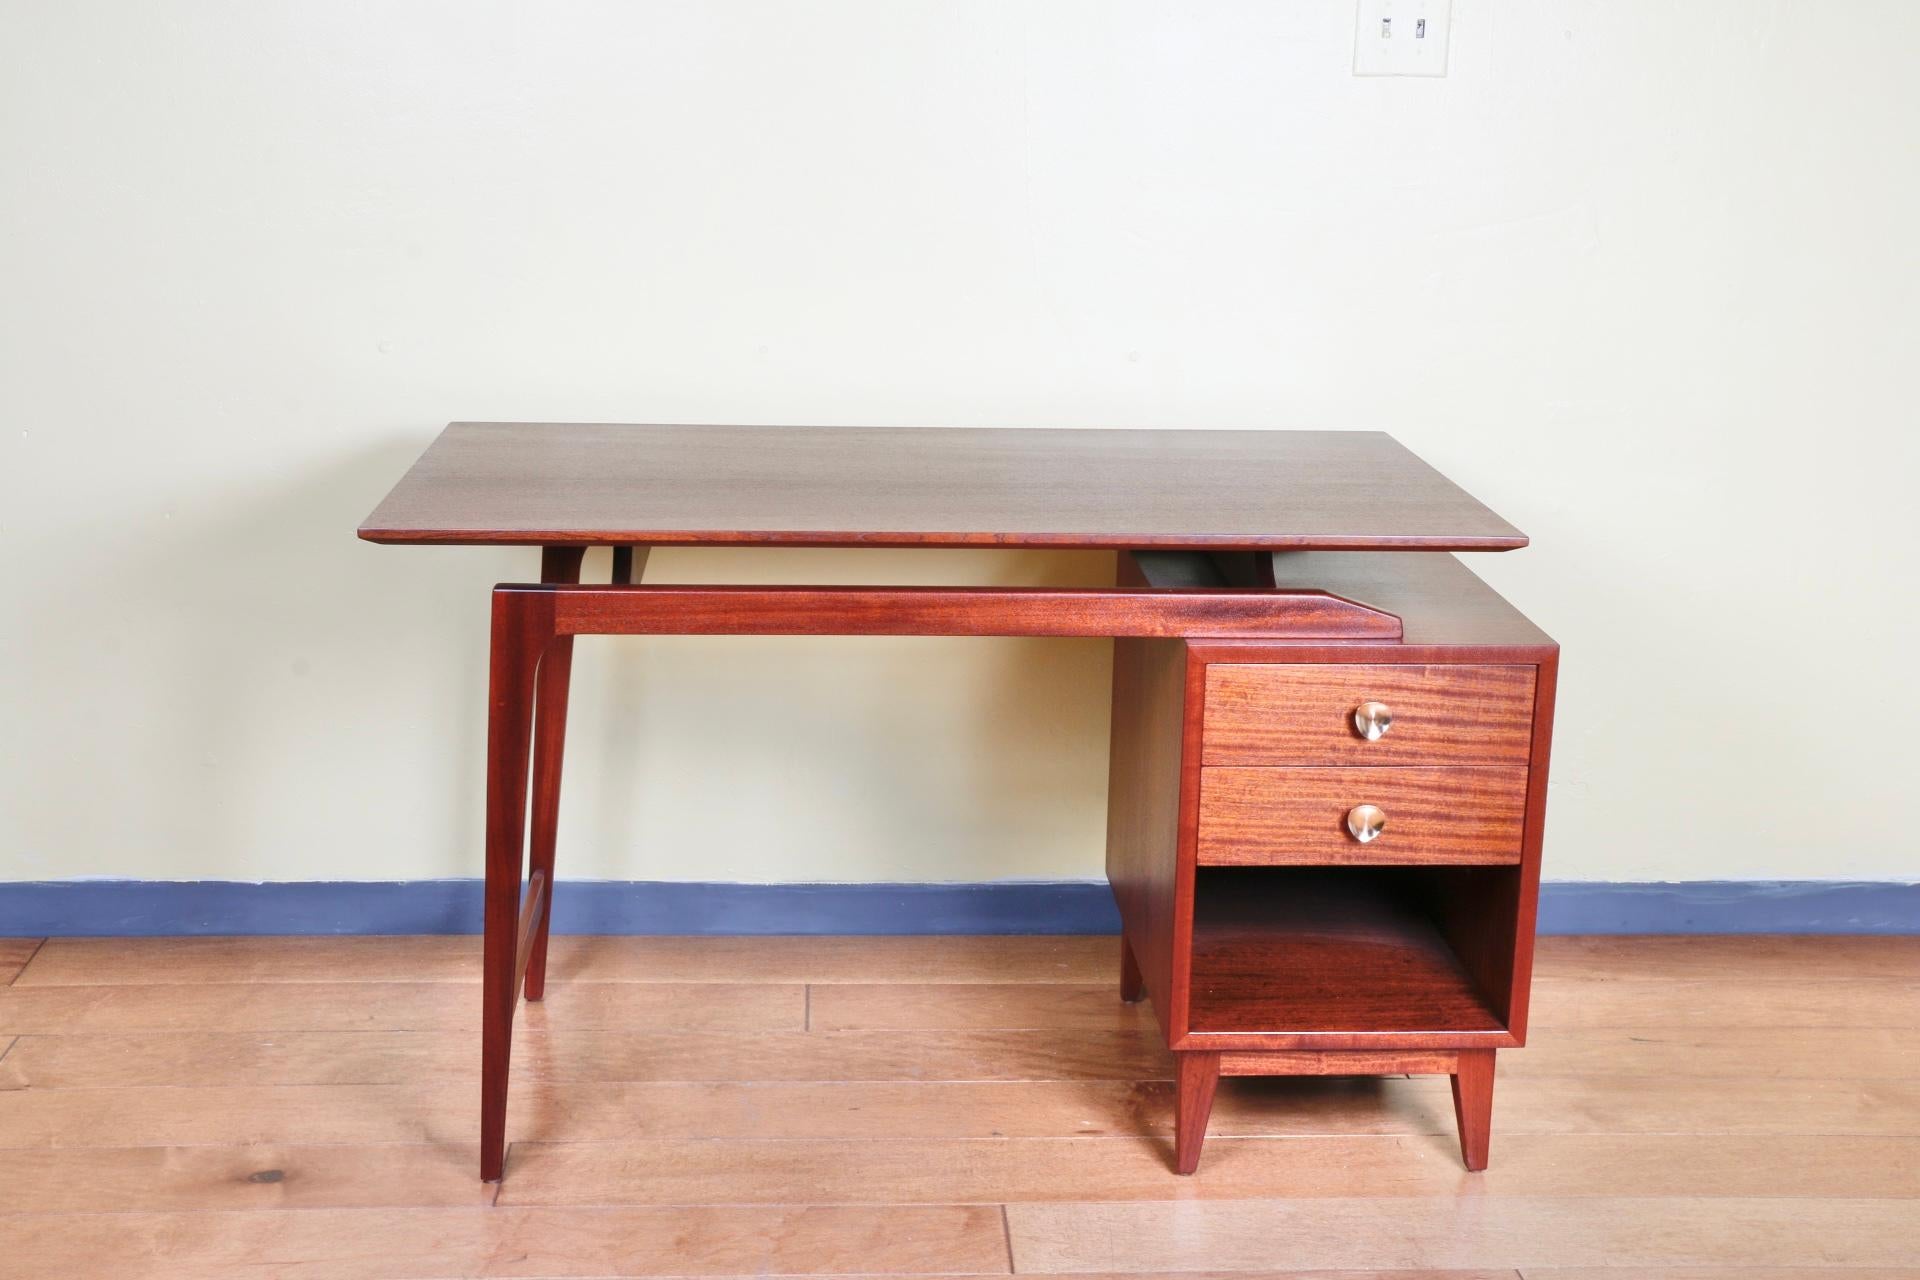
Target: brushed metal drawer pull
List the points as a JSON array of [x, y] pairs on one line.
[[1366, 822], [1371, 720]]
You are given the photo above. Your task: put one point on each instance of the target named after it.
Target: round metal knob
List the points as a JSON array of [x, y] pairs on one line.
[[1371, 720], [1366, 822]]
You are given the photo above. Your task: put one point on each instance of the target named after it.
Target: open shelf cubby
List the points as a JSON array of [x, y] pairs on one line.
[[1328, 950]]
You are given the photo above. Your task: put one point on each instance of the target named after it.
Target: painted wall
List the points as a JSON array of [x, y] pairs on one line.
[[1644, 277]]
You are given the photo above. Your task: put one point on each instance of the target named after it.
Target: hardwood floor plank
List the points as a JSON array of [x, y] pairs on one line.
[[1557, 1004], [1696, 958], [394, 1006], [111, 961], [1500, 1231], [375, 1244], [1869, 1053], [14, 954], [394, 1057], [444, 1112], [128, 961], [543, 1052], [123, 1179], [1720, 1273], [1079, 1169]]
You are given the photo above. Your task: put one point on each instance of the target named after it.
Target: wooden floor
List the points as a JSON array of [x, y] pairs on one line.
[[1706, 1108]]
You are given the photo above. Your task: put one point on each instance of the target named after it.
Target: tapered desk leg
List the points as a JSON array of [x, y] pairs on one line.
[[522, 629], [557, 564], [1198, 1076], [1473, 1105], [1132, 985]]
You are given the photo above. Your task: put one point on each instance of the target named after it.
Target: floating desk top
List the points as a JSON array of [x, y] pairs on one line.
[[563, 484]]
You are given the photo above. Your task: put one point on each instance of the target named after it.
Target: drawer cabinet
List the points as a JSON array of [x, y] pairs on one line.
[[1326, 854]]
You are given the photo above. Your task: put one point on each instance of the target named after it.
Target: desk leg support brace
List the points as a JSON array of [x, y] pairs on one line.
[[522, 635]]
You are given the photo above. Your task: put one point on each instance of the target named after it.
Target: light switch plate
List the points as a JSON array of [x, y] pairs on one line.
[[1401, 37]]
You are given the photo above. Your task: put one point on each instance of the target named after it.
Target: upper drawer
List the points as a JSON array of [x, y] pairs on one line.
[[1261, 713]]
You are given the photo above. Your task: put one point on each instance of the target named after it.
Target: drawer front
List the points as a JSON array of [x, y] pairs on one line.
[[1278, 714], [1433, 817]]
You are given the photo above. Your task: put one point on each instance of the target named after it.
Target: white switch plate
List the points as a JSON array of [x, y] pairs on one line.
[[1401, 38]]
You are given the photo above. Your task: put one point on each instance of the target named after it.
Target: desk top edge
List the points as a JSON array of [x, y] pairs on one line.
[[596, 484]]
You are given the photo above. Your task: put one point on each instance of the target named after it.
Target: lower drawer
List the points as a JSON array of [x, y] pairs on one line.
[[1301, 816]]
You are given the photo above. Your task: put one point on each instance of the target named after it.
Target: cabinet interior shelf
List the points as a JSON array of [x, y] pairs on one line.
[[1304, 950]]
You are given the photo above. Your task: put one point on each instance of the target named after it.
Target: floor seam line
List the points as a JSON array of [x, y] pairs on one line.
[[38, 947]]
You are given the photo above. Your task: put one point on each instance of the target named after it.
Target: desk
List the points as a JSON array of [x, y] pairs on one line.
[[1329, 768]]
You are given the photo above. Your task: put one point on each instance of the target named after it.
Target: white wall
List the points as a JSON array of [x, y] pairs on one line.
[[1642, 276]]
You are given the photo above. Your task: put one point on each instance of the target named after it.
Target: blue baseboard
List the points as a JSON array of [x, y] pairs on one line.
[[144, 908]]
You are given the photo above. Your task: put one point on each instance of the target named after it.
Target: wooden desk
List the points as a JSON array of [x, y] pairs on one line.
[[1328, 769]]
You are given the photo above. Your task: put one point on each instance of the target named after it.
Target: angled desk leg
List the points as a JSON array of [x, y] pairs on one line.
[[522, 635], [557, 564]]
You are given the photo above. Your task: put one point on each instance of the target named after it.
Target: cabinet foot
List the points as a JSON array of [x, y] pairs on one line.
[[1473, 1104], [1197, 1074], [1132, 985]]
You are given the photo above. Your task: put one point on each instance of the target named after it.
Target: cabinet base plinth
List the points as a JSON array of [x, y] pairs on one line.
[[1470, 1070]]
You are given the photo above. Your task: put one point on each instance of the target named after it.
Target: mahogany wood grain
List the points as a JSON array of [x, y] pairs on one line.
[[522, 632], [961, 611], [532, 905], [1444, 602], [1435, 816], [1363, 966], [1144, 807], [1353, 1062], [1198, 1077], [1299, 714], [1473, 1105], [602, 484], [555, 676]]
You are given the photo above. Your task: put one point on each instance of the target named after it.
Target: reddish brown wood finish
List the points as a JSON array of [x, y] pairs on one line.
[[1133, 987], [1301, 714], [968, 611], [1197, 1075], [1325, 959], [1473, 1105], [1435, 817], [557, 565], [1357, 1062], [522, 632], [1143, 809], [597, 485], [1426, 966]]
